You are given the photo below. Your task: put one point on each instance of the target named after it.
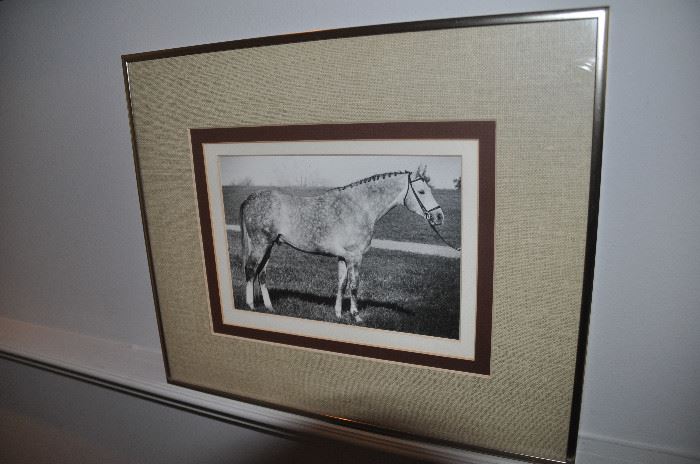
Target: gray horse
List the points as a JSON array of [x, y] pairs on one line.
[[339, 223]]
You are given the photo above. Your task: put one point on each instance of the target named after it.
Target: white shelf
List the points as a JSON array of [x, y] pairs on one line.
[[138, 371]]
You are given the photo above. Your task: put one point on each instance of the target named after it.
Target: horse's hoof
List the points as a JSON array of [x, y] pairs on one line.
[[357, 318]]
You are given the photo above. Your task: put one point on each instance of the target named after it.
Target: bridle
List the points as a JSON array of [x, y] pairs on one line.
[[426, 212]]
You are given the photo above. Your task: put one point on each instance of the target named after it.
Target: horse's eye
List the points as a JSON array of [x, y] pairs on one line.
[[422, 192]]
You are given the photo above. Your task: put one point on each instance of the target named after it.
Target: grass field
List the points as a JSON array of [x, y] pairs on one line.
[[399, 291]]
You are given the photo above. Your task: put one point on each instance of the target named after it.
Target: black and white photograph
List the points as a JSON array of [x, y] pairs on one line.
[[328, 239], [292, 220]]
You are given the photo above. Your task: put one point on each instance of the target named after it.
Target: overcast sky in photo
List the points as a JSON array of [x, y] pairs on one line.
[[331, 171]]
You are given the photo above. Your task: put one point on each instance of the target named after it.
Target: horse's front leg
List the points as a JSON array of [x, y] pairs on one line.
[[354, 277], [342, 282]]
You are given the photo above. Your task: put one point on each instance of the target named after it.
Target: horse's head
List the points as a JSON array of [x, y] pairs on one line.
[[419, 197]]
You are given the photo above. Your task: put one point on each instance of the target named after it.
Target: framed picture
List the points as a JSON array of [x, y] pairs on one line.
[[317, 203], [387, 227]]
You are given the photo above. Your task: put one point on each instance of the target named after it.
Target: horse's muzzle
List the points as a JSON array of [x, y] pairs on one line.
[[435, 217]]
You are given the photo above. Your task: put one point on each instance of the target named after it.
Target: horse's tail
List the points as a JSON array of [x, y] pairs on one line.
[[245, 239]]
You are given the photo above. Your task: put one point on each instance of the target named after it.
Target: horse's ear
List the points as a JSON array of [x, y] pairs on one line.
[[422, 172]]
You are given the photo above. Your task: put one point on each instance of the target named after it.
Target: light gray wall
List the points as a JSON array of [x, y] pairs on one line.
[[71, 248]]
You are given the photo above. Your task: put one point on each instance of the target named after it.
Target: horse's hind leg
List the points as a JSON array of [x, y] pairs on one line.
[[342, 282], [354, 278], [250, 283], [255, 262], [250, 294], [262, 278]]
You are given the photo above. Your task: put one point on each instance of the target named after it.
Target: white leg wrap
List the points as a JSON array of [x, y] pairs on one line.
[[266, 297], [342, 281], [339, 306], [249, 295]]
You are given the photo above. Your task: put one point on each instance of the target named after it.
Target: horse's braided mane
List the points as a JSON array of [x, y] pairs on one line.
[[372, 178]]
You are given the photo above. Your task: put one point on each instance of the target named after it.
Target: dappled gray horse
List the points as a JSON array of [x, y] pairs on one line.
[[339, 222]]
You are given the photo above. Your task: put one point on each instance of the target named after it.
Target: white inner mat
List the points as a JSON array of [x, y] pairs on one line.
[[463, 348]]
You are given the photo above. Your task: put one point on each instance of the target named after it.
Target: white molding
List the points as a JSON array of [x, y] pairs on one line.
[[139, 370]]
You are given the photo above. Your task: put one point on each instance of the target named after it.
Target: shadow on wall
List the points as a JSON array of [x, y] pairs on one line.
[[314, 452], [49, 418]]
